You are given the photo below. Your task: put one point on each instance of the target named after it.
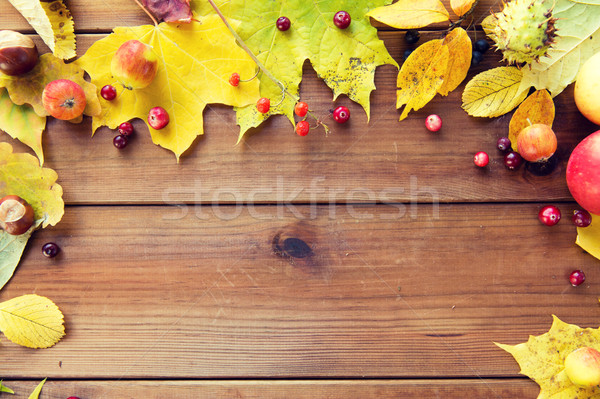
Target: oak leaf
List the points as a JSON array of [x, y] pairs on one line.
[[537, 108], [170, 10], [195, 63], [411, 14], [588, 237], [542, 359], [459, 61], [462, 7]]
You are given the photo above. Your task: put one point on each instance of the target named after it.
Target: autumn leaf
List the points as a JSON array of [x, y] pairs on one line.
[[422, 75], [22, 123], [53, 22], [462, 7], [494, 92], [459, 60], [588, 237], [542, 359], [170, 10], [4, 388], [537, 108], [36, 392], [195, 63], [11, 250], [411, 14]]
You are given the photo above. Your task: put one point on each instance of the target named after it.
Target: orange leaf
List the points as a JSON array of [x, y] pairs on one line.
[[537, 108], [461, 7], [459, 62], [421, 75]]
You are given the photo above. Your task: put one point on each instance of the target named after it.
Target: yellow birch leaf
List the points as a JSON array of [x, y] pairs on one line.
[[31, 320], [53, 22], [494, 92], [421, 75], [459, 60], [537, 108], [36, 392], [411, 14], [588, 238], [462, 7]]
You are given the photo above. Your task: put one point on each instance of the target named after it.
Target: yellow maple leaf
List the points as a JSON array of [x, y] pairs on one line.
[[588, 237], [494, 92], [31, 320], [421, 76], [461, 7], [411, 14], [195, 63], [537, 108], [459, 60], [542, 359]]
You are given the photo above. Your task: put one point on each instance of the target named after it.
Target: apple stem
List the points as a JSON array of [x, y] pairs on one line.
[[528, 121], [147, 12]]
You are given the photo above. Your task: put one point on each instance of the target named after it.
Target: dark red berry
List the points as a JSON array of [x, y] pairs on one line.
[[481, 159], [576, 278], [342, 19], [108, 92], [263, 105], [283, 23], [126, 129], [234, 79], [301, 109], [120, 141], [513, 160], [341, 114], [503, 144], [302, 128], [582, 218], [549, 215], [50, 250]]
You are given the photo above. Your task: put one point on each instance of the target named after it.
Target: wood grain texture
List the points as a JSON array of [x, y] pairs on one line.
[[160, 292], [306, 389]]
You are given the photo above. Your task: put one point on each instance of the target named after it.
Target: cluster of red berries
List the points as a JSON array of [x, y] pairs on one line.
[[341, 19]]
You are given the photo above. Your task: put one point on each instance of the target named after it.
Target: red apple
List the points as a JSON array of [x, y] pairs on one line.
[[583, 367], [536, 142], [158, 118], [63, 99], [583, 173], [134, 65]]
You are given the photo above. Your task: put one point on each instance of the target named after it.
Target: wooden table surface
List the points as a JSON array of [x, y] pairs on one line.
[[171, 289]]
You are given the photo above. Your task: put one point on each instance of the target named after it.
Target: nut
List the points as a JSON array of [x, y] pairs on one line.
[[16, 215], [18, 53]]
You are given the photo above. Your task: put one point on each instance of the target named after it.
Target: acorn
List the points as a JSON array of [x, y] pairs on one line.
[[18, 53]]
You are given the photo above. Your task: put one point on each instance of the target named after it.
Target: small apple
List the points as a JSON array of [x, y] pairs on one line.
[[583, 173], [158, 118], [16, 215], [587, 89], [63, 99], [134, 65], [583, 367], [536, 143]]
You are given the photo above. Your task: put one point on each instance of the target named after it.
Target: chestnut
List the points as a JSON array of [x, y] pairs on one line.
[[18, 53], [16, 215]]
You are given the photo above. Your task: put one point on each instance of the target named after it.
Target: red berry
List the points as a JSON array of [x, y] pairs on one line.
[[234, 79], [582, 218], [302, 128], [503, 144], [341, 114], [158, 118], [108, 92], [433, 123], [126, 129], [50, 250], [481, 159], [549, 215], [120, 141], [577, 277], [283, 23], [301, 109], [263, 105], [513, 160], [342, 19]]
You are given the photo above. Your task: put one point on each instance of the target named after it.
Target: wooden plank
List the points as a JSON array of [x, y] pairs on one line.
[[384, 160], [422, 292], [306, 389]]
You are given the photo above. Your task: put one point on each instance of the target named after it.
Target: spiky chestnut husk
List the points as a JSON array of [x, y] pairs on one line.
[[524, 31]]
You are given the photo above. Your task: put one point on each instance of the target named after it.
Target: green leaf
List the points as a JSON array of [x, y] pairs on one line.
[[36, 392], [4, 388], [22, 123], [11, 250]]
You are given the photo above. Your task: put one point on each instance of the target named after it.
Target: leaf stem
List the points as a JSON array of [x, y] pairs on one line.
[[147, 12]]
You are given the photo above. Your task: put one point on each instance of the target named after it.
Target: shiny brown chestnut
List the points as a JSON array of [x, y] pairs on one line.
[[16, 215], [18, 53]]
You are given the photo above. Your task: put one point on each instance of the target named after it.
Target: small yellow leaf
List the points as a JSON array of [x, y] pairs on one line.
[[31, 320], [494, 92], [588, 238], [411, 14], [537, 108], [461, 7], [421, 75], [36, 392], [459, 60]]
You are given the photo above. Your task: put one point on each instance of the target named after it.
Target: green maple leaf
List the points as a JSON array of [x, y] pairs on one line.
[[345, 59]]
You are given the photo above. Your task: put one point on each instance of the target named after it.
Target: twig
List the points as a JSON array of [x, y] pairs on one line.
[[147, 12]]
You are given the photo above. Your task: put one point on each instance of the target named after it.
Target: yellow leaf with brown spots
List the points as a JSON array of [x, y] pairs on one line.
[[462, 7], [459, 61], [537, 108]]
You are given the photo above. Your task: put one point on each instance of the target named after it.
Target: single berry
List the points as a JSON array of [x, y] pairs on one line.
[[108, 92], [476, 58], [513, 160], [50, 250], [158, 118], [481, 45], [412, 36], [283, 23], [433, 123], [481, 159], [342, 19], [341, 114], [234, 79], [582, 218], [407, 53], [503, 144], [302, 128], [73, 397], [126, 129], [549, 215], [263, 105], [301, 109], [577, 277], [120, 141]]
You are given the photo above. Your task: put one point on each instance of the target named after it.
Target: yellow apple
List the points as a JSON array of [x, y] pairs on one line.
[[583, 367], [587, 89]]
